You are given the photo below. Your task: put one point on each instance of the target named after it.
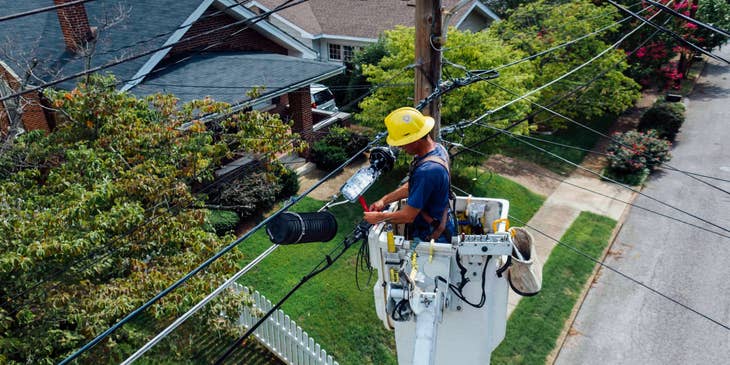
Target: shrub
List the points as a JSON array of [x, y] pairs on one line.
[[223, 221], [637, 154], [289, 182], [336, 147], [250, 195], [328, 157], [665, 117]]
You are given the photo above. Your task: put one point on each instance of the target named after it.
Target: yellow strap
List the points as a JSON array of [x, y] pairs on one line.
[[498, 221], [430, 252]]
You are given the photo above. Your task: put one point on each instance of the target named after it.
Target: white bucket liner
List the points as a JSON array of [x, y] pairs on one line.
[[525, 273]]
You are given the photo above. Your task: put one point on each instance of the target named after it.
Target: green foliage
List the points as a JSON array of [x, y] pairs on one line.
[[99, 216], [636, 153], [289, 182], [475, 51], [665, 117], [223, 221], [537, 322], [541, 25], [336, 147]]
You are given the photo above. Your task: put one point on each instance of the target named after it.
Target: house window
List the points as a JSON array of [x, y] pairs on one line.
[[335, 51], [348, 53]]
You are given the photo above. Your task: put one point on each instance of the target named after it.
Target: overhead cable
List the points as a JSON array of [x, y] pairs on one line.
[[565, 181], [689, 19], [622, 274], [612, 139], [42, 10], [512, 135], [359, 233], [670, 33], [215, 257], [249, 21]]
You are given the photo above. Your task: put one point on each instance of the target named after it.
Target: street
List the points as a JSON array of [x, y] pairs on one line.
[[621, 322]]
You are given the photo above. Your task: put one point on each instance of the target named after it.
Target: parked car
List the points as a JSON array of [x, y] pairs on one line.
[[322, 98]]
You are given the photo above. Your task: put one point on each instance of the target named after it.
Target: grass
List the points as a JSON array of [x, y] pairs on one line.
[[573, 135], [330, 307], [537, 322]]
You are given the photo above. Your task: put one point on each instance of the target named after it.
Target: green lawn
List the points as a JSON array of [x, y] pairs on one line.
[[536, 323], [330, 307], [573, 135]]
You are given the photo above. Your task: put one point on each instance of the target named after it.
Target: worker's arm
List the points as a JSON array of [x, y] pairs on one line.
[[406, 215], [395, 195]]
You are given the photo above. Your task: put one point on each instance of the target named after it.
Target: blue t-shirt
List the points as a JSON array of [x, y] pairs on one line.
[[428, 187]]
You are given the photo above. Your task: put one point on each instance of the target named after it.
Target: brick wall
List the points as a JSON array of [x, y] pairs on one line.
[[74, 24], [34, 117], [247, 40]]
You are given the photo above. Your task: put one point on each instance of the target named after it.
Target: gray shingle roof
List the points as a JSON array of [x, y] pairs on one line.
[[40, 36], [354, 18], [228, 76]]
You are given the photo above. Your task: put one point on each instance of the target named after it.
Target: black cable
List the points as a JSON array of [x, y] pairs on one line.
[[626, 276], [669, 32], [536, 172], [248, 22], [691, 20], [360, 233], [612, 139], [512, 135], [42, 10], [215, 257]]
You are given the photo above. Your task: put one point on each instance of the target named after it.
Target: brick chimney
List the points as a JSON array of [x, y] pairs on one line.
[[74, 25]]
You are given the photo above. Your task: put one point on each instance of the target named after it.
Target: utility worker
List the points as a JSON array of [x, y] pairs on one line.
[[429, 180]]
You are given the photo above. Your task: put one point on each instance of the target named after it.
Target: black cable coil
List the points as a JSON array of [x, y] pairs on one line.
[[289, 228]]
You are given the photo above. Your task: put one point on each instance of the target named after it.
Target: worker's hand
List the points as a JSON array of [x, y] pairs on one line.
[[378, 205], [373, 217]]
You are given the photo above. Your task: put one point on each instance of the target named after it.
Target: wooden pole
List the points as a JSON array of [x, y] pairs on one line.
[[428, 57]]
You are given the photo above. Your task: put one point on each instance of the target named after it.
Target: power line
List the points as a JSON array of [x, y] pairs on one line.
[[42, 10], [605, 136], [249, 21], [691, 20], [533, 171], [624, 275], [213, 258], [359, 233], [512, 135], [670, 33]]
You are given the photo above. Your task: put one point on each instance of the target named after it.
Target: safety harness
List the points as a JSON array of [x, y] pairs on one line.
[[438, 225]]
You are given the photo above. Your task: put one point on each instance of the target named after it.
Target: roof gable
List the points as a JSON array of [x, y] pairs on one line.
[[360, 18]]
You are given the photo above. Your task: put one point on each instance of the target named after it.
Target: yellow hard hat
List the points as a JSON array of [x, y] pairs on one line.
[[406, 125]]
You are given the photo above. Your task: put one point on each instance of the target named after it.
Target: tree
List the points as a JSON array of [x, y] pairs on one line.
[[473, 51], [541, 25], [99, 215]]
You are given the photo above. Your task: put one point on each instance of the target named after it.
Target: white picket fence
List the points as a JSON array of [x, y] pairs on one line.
[[281, 335]]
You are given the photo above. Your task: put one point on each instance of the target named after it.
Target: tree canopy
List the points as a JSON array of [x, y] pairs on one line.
[[100, 215]]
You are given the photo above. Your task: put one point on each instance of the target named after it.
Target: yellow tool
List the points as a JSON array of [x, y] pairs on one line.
[[391, 239]]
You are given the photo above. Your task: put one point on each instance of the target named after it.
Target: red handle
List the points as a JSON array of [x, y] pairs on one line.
[[362, 202]]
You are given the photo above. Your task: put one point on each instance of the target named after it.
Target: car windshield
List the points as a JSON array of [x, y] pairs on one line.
[[322, 96]]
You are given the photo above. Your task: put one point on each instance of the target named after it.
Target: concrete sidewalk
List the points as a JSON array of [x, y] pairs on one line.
[[564, 205]]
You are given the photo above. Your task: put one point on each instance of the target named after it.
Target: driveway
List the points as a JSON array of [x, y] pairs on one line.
[[621, 322]]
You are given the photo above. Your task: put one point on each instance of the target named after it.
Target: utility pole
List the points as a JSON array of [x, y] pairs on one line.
[[428, 57]]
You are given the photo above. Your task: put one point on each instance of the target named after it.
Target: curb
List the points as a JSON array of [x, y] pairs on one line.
[[553, 356]]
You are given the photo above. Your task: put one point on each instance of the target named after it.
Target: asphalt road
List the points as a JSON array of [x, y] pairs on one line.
[[622, 323]]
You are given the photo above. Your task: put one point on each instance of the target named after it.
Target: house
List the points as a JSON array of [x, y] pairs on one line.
[[337, 28], [202, 61]]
